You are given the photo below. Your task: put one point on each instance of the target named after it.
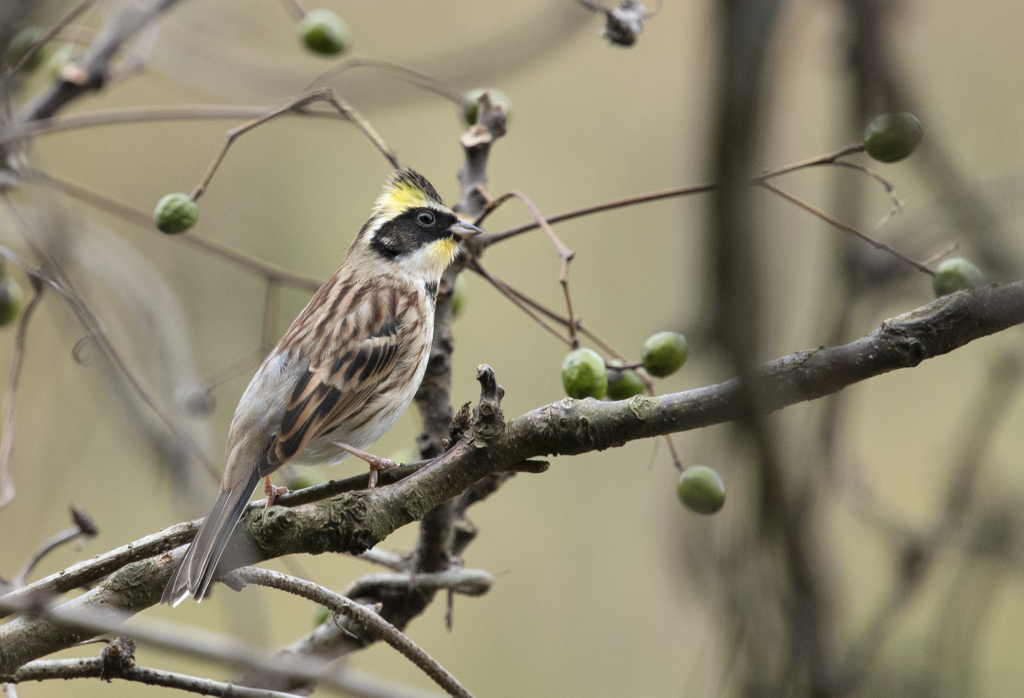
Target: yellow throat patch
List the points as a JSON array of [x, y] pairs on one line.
[[443, 251]]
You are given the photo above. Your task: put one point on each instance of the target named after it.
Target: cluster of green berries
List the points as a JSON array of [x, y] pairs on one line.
[[586, 374]]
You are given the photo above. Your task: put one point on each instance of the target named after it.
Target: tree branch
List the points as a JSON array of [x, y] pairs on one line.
[[355, 521]]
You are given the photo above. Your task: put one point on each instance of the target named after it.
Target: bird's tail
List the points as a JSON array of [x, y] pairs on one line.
[[195, 573]]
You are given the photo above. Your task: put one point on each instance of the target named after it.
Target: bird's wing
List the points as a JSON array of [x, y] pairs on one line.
[[347, 365]]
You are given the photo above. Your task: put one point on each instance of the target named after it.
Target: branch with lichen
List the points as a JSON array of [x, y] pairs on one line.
[[355, 521]]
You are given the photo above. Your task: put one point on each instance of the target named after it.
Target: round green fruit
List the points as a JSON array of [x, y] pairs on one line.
[[957, 274], [12, 301], [324, 32], [459, 297], [61, 56], [664, 353], [701, 489], [471, 100], [176, 213], [584, 374], [623, 383], [892, 137], [19, 46]]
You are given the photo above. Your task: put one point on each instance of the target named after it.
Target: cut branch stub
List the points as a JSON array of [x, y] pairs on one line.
[[488, 419]]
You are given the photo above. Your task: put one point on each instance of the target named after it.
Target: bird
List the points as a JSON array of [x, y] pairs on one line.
[[344, 371]]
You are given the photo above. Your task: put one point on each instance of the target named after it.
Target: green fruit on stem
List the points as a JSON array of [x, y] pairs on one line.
[[664, 353], [176, 213], [61, 56], [701, 489], [471, 100], [459, 296], [623, 383], [324, 32], [957, 274], [12, 300], [584, 374], [892, 137], [19, 46]]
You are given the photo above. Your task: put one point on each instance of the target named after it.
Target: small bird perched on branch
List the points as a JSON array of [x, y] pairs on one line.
[[345, 370]]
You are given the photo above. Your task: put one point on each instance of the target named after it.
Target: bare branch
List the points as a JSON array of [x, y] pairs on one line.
[[877, 244], [323, 94], [362, 615], [356, 521], [11, 396]]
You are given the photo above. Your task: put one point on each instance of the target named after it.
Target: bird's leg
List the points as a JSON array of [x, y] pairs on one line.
[[376, 462], [271, 491]]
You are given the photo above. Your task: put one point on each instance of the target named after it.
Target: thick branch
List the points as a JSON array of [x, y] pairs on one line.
[[355, 521]]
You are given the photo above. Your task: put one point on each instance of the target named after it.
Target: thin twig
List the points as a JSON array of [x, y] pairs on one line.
[[476, 266], [93, 667], [38, 44], [458, 579], [411, 76], [921, 266], [564, 253], [827, 159], [831, 158], [133, 214], [83, 526], [11, 396], [324, 94], [140, 115], [189, 642], [383, 558], [491, 238], [362, 615]]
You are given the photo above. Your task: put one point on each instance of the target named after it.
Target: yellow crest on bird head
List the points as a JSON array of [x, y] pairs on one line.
[[404, 190]]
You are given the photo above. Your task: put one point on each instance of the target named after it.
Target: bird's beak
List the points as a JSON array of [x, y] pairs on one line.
[[463, 230]]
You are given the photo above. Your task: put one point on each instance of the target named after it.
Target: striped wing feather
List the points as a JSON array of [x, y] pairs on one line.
[[335, 387]]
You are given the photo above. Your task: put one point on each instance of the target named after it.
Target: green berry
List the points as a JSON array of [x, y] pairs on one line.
[[19, 45], [957, 274], [664, 353], [892, 137], [623, 383], [176, 213], [320, 615], [324, 32], [61, 56], [701, 489], [471, 100], [405, 455], [584, 374], [12, 301], [459, 295]]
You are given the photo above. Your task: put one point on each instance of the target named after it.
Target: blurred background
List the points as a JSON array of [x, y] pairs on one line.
[[911, 483]]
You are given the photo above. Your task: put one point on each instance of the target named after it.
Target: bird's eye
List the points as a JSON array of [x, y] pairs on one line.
[[425, 218]]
